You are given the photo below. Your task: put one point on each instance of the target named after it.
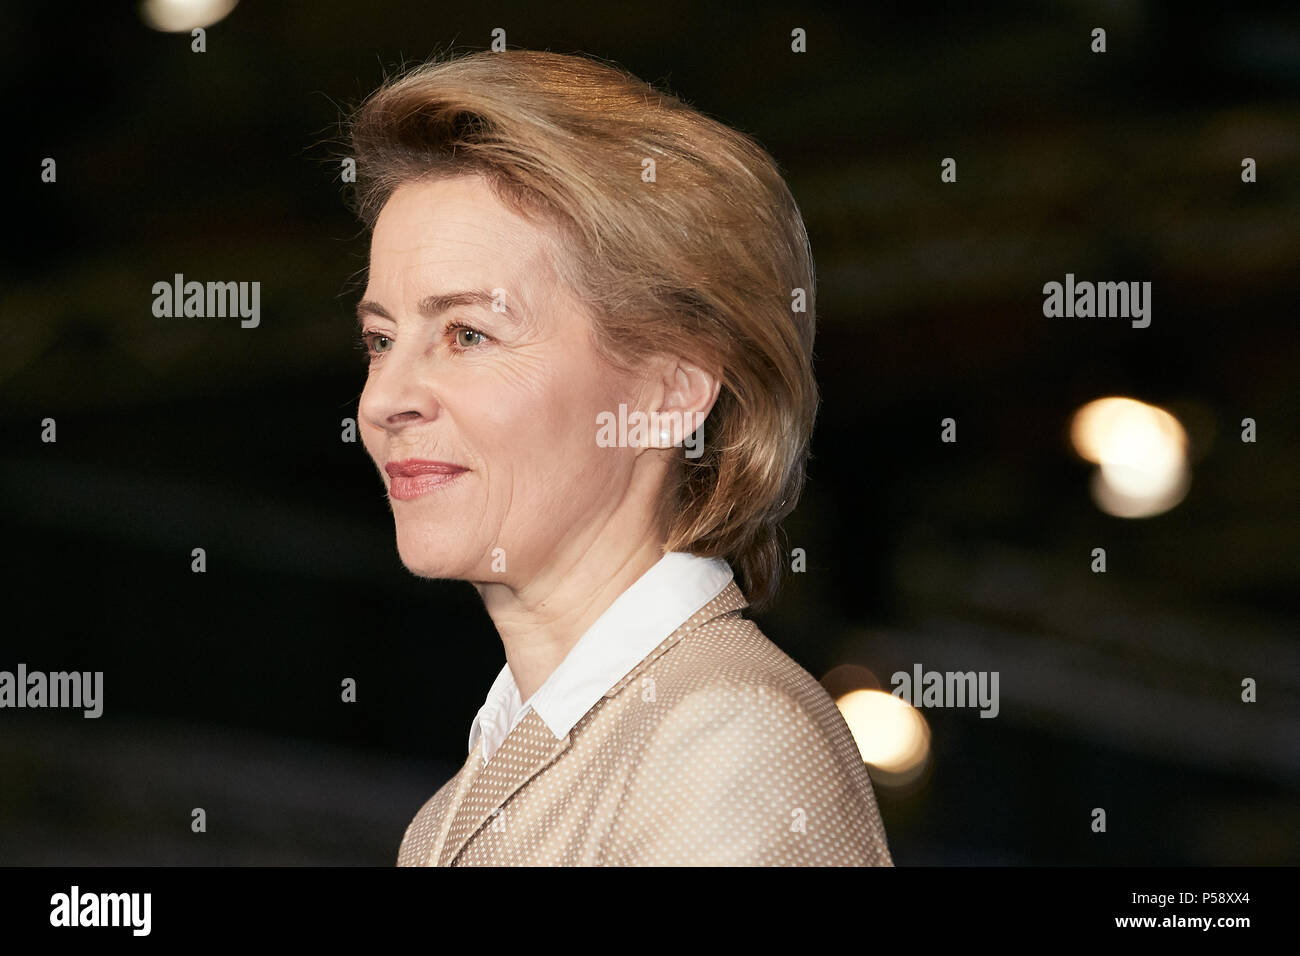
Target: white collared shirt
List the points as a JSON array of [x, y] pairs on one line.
[[657, 603]]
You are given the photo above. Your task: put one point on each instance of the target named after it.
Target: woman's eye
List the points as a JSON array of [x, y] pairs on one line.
[[467, 338], [369, 342]]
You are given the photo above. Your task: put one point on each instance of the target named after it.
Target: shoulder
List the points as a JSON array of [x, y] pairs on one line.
[[728, 668], [725, 695], [742, 757]]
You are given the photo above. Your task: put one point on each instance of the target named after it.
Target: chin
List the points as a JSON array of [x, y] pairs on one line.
[[427, 560]]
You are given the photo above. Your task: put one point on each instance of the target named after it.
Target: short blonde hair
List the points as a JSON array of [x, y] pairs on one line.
[[708, 259]]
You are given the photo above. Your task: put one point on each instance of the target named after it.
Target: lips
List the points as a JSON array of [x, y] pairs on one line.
[[416, 476], [414, 467]]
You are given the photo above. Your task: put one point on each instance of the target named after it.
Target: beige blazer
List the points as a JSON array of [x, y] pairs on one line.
[[717, 749]]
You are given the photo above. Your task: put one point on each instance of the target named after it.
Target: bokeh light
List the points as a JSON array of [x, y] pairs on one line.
[[891, 734], [182, 16], [1141, 456]]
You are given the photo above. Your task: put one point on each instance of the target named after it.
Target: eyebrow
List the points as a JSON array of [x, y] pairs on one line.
[[432, 306]]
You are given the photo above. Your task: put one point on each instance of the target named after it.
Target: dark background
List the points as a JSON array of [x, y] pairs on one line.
[[1119, 690]]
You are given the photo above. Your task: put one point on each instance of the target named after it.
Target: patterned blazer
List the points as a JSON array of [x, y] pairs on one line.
[[716, 749]]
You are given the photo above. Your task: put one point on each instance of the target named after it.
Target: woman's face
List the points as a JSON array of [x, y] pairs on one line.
[[481, 360]]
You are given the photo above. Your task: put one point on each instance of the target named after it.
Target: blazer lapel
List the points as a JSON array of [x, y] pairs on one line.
[[525, 752], [468, 772]]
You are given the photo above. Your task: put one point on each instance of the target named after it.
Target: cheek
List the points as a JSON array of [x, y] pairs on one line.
[[544, 433]]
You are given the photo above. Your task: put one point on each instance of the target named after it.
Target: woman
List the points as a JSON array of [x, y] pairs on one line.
[[590, 321]]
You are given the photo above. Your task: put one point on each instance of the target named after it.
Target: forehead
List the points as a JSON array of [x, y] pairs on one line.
[[429, 233]]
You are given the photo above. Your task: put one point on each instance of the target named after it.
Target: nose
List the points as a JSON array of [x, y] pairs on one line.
[[397, 394]]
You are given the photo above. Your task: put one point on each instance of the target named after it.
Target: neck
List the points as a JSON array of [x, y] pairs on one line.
[[541, 621]]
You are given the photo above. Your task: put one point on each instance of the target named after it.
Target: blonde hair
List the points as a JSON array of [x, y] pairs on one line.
[[706, 259]]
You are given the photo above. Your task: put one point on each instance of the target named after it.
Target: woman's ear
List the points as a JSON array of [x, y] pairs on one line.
[[686, 396]]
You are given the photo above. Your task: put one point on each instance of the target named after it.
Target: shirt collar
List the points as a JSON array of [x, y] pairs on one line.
[[656, 605]]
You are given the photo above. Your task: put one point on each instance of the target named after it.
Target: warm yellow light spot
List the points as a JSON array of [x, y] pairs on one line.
[[1141, 453], [182, 16], [890, 733]]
